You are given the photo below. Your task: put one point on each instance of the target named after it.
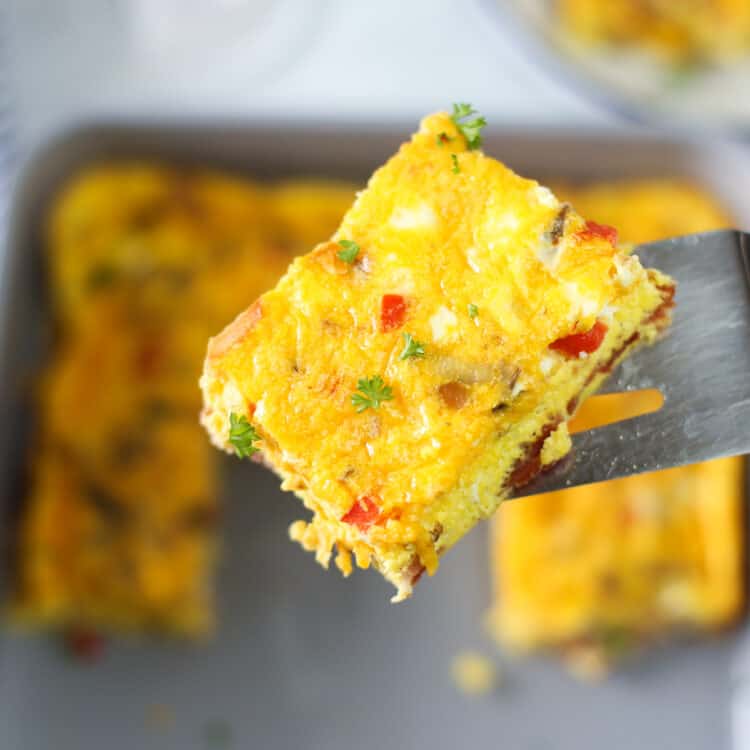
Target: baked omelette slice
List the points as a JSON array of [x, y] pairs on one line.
[[406, 376]]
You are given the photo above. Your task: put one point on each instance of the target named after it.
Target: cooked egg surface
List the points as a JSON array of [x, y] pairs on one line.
[[486, 271], [119, 528]]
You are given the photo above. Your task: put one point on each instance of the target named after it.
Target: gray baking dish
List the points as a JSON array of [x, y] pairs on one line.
[[303, 658]]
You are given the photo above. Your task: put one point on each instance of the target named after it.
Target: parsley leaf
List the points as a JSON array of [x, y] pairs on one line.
[[242, 435], [456, 168], [371, 393], [470, 129], [349, 251], [473, 310], [682, 75], [101, 277], [412, 347], [616, 641], [461, 109]]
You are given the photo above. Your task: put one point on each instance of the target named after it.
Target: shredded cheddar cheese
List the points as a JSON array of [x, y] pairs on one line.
[[431, 444]]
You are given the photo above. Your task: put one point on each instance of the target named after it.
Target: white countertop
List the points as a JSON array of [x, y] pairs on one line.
[[324, 59]]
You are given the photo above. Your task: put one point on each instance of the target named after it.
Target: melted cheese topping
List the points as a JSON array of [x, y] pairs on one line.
[[118, 531], [321, 331]]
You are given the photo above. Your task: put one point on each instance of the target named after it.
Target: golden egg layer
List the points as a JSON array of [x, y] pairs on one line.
[[596, 571], [485, 270], [119, 528], [696, 31]]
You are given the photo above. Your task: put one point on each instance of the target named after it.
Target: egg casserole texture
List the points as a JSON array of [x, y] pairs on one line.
[[596, 572], [673, 30], [119, 529], [406, 375]]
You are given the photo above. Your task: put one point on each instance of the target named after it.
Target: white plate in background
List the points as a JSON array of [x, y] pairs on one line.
[[632, 81]]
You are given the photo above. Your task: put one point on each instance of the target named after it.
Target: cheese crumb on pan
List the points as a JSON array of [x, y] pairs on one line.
[[473, 674]]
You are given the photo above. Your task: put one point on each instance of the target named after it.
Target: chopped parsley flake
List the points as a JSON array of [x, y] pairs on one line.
[[412, 347], [456, 168], [682, 75], [470, 129], [442, 138], [616, 641], [473, 310], [371, 393], [349, 251], [101, 277], [242, 435]]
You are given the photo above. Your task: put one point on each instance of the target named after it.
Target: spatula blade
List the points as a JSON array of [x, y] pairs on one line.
[[702, 367]]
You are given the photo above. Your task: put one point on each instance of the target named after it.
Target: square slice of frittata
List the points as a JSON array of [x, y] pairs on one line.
[[407, 375]]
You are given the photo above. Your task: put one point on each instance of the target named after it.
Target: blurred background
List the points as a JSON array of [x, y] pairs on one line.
[[161, 162]]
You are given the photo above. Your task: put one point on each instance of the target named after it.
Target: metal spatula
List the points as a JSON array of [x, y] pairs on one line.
[[702, 368]]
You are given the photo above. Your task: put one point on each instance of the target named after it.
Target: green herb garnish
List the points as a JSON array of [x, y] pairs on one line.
[[616, 641], [349, 251], [470, 129], [682, 75], [242, 435], [101, 277], [456, 168], [473, 310], [371, 393], [442, 138], [412, 347]]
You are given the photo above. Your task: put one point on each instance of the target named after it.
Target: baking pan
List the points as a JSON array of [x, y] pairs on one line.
[[303, 658]]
